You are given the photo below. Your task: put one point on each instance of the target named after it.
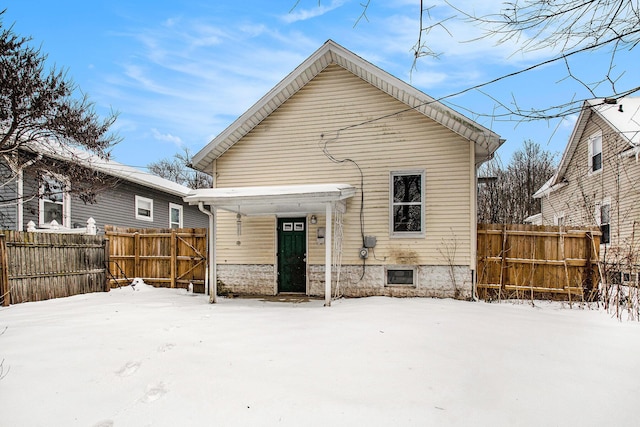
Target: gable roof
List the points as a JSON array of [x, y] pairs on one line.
[[622, 116], [110, 167], [487, 142]]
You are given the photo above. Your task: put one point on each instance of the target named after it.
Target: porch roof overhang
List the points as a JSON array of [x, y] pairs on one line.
[[273, 200]]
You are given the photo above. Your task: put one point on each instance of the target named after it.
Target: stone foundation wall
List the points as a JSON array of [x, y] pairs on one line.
[[246, 279], [432, 281]]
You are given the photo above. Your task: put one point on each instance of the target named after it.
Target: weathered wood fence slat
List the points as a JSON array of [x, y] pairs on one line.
[[161, 257], [39, 266], [522, 260]]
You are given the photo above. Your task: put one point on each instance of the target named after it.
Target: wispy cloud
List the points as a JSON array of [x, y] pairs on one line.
[[166, 137], [300, 14]]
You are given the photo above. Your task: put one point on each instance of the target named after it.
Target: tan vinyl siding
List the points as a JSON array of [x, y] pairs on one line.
[[287, 148], [618, 181]]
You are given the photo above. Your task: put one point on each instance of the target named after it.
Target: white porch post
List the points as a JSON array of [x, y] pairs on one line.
[[213, 272], [327, 255], [212, 277]]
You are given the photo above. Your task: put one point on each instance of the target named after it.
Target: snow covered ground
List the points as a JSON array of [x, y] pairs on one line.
[[164, 357]]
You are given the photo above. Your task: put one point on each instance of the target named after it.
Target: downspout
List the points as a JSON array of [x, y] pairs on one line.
[[212, 278], [328, 260], [474, 221]]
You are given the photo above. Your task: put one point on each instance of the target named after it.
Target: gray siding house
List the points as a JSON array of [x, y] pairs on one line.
[[128, 196]]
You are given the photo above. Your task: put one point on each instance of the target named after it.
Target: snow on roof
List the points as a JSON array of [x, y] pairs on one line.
[[111, 167], [266, 191], [623, 116], [282, 199]]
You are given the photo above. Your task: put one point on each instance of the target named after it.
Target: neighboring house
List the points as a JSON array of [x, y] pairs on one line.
[[343, 175], [131, 198], [598, 180], [535, 219]]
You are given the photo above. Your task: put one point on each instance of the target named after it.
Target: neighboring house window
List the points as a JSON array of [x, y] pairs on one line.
[[54, 200], [401, 276], [558, 219], [407, 204], [175, 215], [144, 208], [603, 217], [595, 152]]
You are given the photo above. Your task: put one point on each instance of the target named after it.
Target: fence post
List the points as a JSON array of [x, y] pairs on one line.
[[107, 265], [174, 257], [588, 282], [136, 251], [503, 264], [91, 227], [5, 290]]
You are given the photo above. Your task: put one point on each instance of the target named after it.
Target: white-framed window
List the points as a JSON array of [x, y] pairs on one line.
[[144, 208], [558, 219], [54, 202], [400, 276], [595, 152], [175, 215], [603, 219], [406, 193]]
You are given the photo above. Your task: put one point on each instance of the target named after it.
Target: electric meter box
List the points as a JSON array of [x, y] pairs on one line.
[[369, 241]]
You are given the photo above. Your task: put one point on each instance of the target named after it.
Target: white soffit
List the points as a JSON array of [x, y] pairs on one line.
[[272, 200]]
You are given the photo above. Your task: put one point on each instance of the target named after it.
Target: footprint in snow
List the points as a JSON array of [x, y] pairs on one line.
[[165, 347], [154, 393], [129, 369]]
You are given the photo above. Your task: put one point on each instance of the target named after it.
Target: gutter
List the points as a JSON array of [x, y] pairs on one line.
[[212, 276]]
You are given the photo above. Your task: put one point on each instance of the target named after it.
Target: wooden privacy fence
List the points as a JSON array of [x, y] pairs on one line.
[[522, 260], [161, 257], [40, 266]]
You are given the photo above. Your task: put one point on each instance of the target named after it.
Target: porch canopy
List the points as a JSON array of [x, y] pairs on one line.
[[283, 200]]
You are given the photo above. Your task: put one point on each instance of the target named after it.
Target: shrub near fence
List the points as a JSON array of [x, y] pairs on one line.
[[524, 260], [40, 266]]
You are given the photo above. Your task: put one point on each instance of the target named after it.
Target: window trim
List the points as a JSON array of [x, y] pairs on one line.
[[592, 138], [411, 268], [598, 215], [407, 234], [179, 208], [559, 217], [140, 199], [66, 200]]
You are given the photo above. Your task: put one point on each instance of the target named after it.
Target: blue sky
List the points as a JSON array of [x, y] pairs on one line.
[[179, 72]]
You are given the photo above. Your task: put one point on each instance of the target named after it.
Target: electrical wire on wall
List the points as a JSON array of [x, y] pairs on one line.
[[325, 150]]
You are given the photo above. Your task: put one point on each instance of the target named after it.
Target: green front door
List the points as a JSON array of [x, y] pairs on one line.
[[292, 247]]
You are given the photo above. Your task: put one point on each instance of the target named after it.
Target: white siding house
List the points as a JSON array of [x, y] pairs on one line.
[[344, 180]]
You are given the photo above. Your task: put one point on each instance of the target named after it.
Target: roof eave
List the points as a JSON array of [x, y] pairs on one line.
[[329, 53]]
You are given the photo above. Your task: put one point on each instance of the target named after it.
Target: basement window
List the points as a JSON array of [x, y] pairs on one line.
[[401, 276]]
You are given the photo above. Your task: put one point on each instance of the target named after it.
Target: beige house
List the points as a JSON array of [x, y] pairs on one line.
[[344, 180], [598, 179]]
